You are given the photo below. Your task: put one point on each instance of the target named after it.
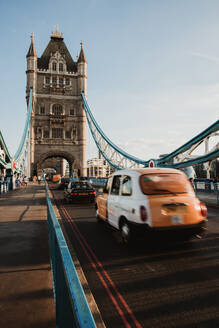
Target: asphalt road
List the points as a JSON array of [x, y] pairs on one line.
[[156, 284]]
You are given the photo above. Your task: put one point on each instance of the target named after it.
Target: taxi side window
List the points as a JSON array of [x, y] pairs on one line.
[[115, 185], [126, 186]]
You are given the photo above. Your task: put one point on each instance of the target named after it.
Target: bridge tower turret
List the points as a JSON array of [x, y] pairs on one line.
[[31, 73], [82, 71], [31, 68]]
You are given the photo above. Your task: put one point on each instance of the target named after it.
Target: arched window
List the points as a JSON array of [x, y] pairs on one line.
[[57, 109], [61, 81], [54, 66], [60, 67], [42, 110], [72, 112]]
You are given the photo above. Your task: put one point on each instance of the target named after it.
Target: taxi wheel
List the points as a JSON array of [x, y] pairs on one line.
[[125, 232], [98, 219], [68, 200]]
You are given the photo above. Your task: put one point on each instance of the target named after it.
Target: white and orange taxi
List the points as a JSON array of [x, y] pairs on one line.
[[150, 200]]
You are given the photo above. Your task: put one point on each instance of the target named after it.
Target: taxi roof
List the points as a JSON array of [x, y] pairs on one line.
[[147, 171]]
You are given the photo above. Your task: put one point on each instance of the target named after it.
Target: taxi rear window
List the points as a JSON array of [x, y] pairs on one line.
[[164, 183]]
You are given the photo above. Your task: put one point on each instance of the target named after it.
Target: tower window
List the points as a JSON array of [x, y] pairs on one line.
[[67, 82], [47, 80], [68, 134], [61, 81], [42, 110], [72, 112], [57, 109], [60, 67], [74, 132], [54, 80], [57, 133], [54, 66], [45, 134]]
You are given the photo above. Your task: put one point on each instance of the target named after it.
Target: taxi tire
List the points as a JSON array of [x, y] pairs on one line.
[[126, 232], [68, 200], [98, 219]]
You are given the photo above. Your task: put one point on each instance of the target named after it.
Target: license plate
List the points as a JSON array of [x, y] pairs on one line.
[[177, 219], [83, 194]]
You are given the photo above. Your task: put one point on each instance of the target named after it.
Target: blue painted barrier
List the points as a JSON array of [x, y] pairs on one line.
[[211, 191], [206, 185], [72, 309]]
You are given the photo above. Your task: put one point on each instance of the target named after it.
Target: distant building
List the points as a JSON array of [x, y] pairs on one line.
[[99, 168]]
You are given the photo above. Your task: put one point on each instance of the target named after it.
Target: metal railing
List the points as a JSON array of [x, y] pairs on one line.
[[72, 309], [208, 188]]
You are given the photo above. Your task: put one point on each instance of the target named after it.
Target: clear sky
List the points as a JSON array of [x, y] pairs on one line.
[[153, 66]]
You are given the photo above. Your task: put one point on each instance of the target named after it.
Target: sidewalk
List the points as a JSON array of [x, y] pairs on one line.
[[26, 296]]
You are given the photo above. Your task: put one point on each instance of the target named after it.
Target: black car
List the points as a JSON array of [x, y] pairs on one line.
[[79, 191]]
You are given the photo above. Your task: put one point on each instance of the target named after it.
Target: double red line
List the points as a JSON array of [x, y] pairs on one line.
[[105, 279]]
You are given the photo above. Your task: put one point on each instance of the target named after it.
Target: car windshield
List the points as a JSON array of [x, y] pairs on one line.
[[80, 185], [164, 183]]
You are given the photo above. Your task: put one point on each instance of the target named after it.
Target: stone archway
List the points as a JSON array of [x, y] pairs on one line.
[[55, 154]]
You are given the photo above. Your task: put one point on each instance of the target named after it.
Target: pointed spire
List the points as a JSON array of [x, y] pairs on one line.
[[57, 34], [32, 51], [81, 58]]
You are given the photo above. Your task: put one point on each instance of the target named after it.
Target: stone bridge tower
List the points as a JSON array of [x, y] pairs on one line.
[[58, 122]]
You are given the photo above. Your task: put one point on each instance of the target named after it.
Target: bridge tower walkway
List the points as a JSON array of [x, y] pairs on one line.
[[26, 295]]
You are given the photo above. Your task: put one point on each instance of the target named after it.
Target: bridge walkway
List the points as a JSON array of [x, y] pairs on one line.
[[26, 295]]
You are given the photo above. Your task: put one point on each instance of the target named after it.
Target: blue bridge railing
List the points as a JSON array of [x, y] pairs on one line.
[[72, 309]]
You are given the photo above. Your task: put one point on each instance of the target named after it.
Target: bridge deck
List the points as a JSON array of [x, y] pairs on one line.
[[26, 286]]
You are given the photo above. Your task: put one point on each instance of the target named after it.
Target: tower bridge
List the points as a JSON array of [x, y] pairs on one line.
[[55, 128], [57, 110]]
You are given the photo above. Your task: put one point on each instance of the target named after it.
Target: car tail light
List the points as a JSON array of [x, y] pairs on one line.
[[203, 208], [143, 213], [73, 193], [92, 193]]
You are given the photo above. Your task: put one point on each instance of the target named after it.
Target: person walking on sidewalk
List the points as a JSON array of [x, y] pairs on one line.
[[192, 182], [39, 179], [25, 181]]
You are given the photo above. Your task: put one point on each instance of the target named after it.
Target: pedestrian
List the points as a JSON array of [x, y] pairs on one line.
[[21, 181], [25, 181], [39, 179], [192, 182]]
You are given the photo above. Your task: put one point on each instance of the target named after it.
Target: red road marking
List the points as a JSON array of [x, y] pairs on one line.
[[84, 244]]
